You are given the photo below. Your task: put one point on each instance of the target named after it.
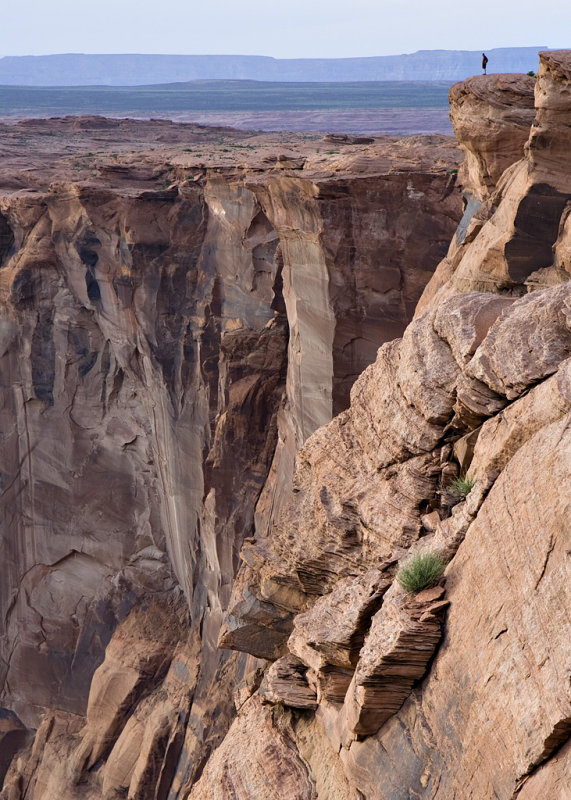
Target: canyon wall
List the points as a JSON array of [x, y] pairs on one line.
[[460, 691], [165, 351], [191, 463]]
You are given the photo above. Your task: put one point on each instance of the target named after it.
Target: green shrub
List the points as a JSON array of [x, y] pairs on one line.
[[462, 485], [423, 569]]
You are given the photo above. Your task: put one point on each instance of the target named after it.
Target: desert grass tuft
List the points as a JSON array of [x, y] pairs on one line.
[[423, 570], [462, 485]]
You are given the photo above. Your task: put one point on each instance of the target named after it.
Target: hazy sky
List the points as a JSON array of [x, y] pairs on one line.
[[292, 29]]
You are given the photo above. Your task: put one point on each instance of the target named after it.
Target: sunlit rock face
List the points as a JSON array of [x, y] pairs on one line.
[[165, 350], [491, 115]]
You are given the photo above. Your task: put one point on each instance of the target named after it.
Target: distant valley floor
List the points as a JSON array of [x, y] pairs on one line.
[[373, 107], [385, 121], [388, 121]]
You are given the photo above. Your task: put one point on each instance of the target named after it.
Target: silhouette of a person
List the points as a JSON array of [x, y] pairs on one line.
[[484, 62]]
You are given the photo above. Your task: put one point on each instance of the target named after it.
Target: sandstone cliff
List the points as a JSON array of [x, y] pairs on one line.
[[461, 691], [174, 326], [213, 422]]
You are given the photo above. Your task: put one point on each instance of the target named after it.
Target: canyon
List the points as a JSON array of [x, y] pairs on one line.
[[239, 373]]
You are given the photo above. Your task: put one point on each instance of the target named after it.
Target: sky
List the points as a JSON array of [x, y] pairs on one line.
[[293, 29]]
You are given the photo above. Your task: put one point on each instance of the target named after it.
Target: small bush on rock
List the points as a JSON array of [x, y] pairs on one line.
[[423, 570], [462, 485]]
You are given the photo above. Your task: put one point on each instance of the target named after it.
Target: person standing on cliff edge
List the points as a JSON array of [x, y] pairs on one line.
[[484, 62]]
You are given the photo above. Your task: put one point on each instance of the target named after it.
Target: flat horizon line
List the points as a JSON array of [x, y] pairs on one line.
[[539, 48]]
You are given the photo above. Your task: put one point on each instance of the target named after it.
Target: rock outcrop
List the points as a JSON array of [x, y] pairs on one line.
[[491, 115], [479, 379], [346, 685]]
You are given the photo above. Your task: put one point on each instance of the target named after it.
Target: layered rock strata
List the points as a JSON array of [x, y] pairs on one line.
[[479, 383], [458, 692], [165, 350]]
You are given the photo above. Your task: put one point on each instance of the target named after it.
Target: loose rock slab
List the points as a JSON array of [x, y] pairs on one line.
[[402, 639], [286, 682]]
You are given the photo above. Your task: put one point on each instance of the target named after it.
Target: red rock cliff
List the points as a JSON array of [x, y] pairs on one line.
[[351, 687], [165, 349], [461, 691]]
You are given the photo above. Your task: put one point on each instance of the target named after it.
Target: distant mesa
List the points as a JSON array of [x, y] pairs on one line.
[[76, 69]]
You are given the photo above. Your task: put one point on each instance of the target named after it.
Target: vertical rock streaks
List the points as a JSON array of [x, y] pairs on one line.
[[164, 353]]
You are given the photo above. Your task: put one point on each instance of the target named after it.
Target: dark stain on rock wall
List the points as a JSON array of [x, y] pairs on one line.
[[43, 356]]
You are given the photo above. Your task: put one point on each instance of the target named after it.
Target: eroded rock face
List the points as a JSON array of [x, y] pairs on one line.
[[280, 754], [548, 142], [286, 682], [468, 703], [491, 116], [166, 346], [402, 639], [459, 691], [479, 379]]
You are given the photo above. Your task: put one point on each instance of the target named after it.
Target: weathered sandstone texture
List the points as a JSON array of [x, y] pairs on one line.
[[174, 326], [491, 115], [461, 692], [331, 680]]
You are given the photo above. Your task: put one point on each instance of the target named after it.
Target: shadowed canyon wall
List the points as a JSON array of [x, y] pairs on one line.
[[163, 350]]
